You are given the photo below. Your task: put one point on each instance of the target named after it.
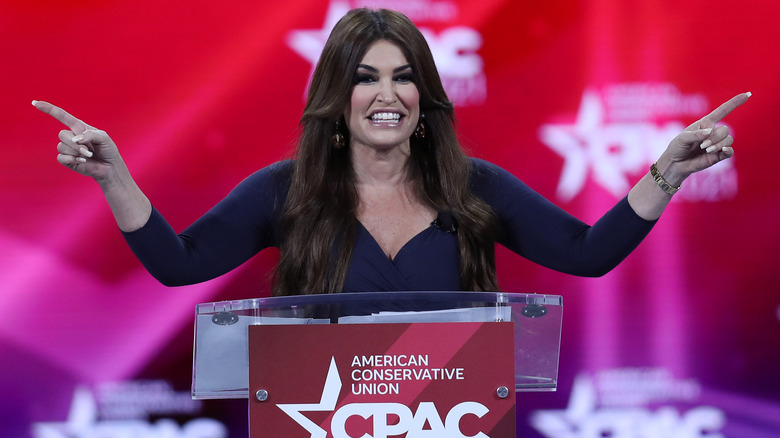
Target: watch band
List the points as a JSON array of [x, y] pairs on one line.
[[662, 183]]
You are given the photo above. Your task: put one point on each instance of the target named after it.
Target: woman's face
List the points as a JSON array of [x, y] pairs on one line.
[[385, 104]]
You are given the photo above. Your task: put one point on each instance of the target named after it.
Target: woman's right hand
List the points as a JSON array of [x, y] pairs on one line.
[[91, 152], [82, 148]]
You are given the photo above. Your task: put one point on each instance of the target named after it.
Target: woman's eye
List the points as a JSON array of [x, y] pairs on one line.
[[406, 77], [364, 79]]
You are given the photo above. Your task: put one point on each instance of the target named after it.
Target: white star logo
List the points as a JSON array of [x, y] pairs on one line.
[[309, 43], [330, 395], [564, 423], [81, 418], [582, 143]]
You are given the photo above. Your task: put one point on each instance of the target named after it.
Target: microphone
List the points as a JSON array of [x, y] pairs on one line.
[[446, 222]]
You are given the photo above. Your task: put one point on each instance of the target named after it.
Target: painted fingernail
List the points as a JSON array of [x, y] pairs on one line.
[[34, 102], [86, 152], [81, 159], [706, 143], [707, 131], [711, 149], [77, 138], [749, 94]]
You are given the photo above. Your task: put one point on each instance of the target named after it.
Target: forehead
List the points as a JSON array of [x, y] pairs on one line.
[[384, 54]]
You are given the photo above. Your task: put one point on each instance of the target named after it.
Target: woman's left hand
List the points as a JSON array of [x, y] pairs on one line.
[[701, 144]]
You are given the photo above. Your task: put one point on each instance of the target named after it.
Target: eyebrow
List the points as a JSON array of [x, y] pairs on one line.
[[395, 70]]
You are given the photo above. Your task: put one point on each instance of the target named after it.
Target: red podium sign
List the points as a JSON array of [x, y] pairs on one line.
[[419, 380]]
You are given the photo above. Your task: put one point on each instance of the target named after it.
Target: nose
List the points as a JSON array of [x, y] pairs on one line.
[[386, 93]]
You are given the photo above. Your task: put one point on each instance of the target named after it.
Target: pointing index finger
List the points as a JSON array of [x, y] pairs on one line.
[[722, 111], [75, 125]]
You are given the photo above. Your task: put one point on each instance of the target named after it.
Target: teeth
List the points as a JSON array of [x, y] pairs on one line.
[[386, 116]]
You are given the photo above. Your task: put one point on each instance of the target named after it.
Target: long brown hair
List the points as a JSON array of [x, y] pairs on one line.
[[319, 220]]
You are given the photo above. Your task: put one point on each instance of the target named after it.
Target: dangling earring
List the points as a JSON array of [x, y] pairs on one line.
[[337, 140], [419, 131]]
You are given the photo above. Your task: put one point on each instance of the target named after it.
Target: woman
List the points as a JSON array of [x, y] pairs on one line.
[[381, 196]]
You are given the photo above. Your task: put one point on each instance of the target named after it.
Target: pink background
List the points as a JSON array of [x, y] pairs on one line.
[[198, 95]]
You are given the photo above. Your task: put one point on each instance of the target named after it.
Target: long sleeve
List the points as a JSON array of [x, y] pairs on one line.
[[234, 230], [535, 228]]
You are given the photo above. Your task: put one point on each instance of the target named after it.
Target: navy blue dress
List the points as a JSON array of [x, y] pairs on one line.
[[246, 221]]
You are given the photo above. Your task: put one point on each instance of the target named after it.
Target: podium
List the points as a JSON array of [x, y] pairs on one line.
[[378, 364]]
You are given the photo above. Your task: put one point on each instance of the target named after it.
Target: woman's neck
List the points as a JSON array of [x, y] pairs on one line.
[[380, 167]]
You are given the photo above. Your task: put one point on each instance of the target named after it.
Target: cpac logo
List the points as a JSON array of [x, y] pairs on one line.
[[582, 419], [614, 136], [83, 422], [454, 50], [424, 423]]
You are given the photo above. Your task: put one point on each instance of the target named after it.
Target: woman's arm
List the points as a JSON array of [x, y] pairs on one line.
[[537, 229], [532, 226], [231, 232]]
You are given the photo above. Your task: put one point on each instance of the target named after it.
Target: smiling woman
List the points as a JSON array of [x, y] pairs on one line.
[[382, 114], [384, 108], [381, 196], [400, 171]]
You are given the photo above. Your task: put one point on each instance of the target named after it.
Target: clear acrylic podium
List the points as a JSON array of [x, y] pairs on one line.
[[220, 357]]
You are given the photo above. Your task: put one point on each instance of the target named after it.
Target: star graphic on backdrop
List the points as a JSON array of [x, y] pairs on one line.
[[570, 142], [82, 417], [590, 144], [566, 422], [309, 43]]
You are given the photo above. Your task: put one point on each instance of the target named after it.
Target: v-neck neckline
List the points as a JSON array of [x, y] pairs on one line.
[[379, 248]]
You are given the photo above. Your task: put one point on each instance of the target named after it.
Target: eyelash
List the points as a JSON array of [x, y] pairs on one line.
[[405, 77], [362, 78]]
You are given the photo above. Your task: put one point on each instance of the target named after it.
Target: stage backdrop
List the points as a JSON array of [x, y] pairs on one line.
[[575, 97]]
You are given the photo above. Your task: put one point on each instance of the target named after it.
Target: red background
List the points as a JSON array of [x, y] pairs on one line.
[[199, 95]]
